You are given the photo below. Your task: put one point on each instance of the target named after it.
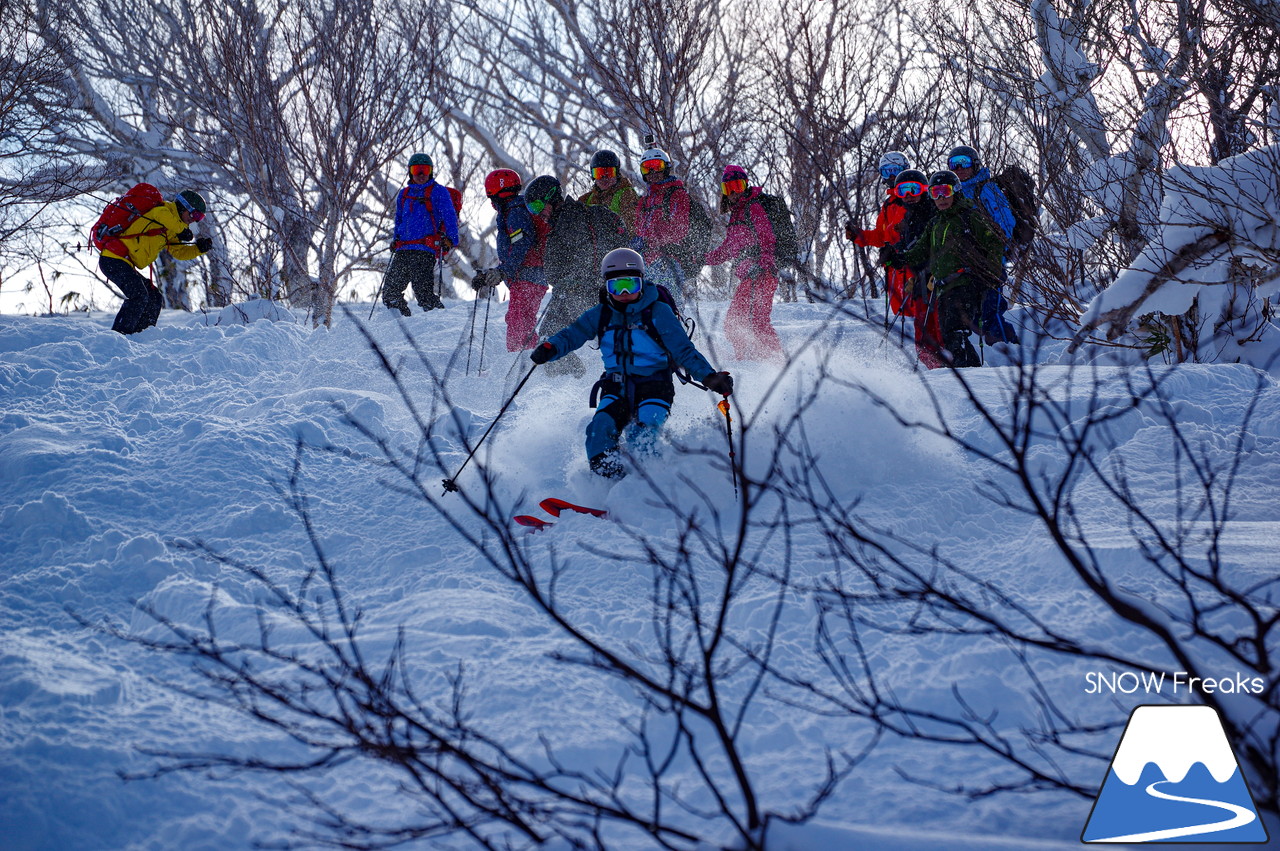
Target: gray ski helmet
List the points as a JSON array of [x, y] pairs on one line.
[[964, 151], [543, 188], [940, 177], [605, 159], [620, 263]]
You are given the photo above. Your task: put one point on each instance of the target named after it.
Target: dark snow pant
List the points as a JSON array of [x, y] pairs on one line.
[[958, 309], [142, 300], [414, 267], [639, 404]]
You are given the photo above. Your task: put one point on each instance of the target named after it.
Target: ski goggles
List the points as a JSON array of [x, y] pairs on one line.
[[889, 172], [652, 166], [909, 189], [942, 190], [192, 213], [536, 207], [960, 161], [733, 187], [628, 285], [420, 170], [603, 172]]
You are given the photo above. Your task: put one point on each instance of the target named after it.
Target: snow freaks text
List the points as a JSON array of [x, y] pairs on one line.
[[1175, 683]]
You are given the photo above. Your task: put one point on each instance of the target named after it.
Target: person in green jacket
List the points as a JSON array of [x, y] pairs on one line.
[[963, 253], [610, 189]]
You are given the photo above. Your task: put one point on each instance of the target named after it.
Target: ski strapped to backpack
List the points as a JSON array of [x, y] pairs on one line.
[[108, 233]]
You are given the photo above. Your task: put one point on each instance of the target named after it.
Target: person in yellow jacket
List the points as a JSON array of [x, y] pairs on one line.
[[166, 227]]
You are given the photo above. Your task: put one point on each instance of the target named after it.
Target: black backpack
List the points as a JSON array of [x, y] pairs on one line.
[[691, 252], [1020, 188], [786, 242]]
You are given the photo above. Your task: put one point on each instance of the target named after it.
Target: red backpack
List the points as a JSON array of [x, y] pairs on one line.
[[107, 232]]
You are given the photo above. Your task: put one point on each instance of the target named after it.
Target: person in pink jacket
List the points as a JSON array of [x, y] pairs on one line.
[[749, 244]]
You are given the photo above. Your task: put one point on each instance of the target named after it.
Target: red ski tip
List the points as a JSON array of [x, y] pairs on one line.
[[531, 521], [554, 506]]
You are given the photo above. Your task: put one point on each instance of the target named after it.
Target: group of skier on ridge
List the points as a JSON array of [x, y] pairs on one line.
[[618, 264]]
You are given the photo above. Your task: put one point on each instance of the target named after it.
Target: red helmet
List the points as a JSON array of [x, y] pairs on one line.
[[503, 183]]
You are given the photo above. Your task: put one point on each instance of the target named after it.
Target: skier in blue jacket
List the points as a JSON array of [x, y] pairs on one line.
[[976, 185], [641, 343], [426, 229]]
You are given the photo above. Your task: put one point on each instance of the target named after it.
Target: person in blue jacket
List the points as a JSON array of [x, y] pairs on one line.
[[976, 185], [426, 230], [641, 344], [522, 249]]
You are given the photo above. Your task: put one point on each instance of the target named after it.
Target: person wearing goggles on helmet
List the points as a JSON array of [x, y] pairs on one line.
[[610, 188], [522, 243], [962, 252], [426, 229], [977, 185], [642, 343], [133, 233], [749, 243], [579, 236], [663, 221], [887, 230]]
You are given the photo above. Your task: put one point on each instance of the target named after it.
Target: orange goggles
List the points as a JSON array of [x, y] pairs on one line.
[[942, 190], [420, 170], [603, 172], [733, 187], [651, 166]]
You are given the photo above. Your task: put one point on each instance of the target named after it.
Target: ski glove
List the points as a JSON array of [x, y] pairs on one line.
[[186, 235], [204, 244], [890, 257], [849, 232], [719, 382], [543, 353]]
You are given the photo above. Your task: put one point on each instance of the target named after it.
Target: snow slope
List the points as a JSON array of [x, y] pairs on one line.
[[113, 448]]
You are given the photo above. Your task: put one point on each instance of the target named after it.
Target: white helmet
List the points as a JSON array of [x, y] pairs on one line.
[[622, 262], [894, 158], [656, 154]]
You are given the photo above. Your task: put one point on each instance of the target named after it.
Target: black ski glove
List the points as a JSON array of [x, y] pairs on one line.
[[890, 257], [543, 353], [849, 232], [719, 382], [204, 244], [185, 235]]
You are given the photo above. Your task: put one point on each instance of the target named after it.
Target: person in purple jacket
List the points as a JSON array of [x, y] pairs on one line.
[[426, 230]]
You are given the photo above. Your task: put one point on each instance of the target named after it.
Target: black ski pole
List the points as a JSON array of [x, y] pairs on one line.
[[723, 406], [471, 337], [484, 336], [451, 483], [381, 287]]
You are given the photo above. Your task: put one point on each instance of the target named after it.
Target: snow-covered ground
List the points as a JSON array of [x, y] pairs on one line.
[[113, 448]]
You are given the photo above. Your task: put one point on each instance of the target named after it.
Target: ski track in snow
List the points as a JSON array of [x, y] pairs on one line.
[[112, 448]]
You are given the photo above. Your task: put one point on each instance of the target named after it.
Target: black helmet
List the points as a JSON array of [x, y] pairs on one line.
[[940, 177], [191, 201], [605, 159], [544, 188], [964, 151], [911, 175]]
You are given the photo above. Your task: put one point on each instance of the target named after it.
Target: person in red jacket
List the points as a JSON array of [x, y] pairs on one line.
[[662, 222], [888, 227], [749, 242]]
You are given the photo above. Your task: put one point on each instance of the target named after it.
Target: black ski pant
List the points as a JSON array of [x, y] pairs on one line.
[[411, 267], [142, 300], [958, 309]]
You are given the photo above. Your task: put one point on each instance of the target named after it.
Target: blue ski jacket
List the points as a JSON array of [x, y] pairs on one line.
[[625, 347], [982, 188], [424, 212], [519, 256]]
